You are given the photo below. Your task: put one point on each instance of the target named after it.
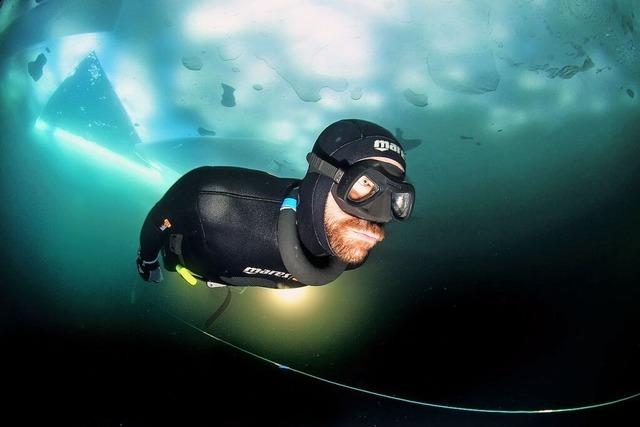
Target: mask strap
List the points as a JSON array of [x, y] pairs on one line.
[[317, 165]]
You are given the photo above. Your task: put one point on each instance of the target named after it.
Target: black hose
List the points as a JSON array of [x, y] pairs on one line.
[[220, 310], [294, 258]]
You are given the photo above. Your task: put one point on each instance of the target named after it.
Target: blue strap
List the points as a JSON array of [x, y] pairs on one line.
[[289, 203]]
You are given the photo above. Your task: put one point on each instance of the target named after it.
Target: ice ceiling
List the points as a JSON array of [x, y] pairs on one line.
[[279, 71]]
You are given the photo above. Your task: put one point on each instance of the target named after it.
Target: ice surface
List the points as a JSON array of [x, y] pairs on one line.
[[407, 144], [192, 62], [184, 154], [86, 105], [417, 99], [465, 72], [35, 67], [59, 18], [307, 87], [229, 52], [205, 132], [228, 99]]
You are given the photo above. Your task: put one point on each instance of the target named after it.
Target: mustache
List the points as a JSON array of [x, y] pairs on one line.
[[364, 226]]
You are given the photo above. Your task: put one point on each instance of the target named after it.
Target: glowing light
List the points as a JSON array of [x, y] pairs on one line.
[[98, 153], [102, 155], [292, 296], [129, 80], [208, 21], [74, 49], [373, 8], [292, 303], [340, 46]]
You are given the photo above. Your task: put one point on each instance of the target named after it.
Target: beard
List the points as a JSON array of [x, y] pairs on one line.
[[345, 245]]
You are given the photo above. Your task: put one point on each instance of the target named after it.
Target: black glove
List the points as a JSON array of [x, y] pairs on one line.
[[149, 270]]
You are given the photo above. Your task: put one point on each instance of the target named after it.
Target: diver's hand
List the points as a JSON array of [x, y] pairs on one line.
[[149, 270]]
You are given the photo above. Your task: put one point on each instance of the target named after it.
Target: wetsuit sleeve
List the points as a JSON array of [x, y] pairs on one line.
[[158, 223], [160, 220], [152, 234]]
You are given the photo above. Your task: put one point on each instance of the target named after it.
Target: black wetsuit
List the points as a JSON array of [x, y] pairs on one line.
[[227, 220]]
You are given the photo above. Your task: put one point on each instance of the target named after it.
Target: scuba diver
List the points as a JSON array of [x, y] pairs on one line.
[[242, 227]]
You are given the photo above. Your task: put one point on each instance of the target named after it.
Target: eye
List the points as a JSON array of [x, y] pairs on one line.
[[363, 188]]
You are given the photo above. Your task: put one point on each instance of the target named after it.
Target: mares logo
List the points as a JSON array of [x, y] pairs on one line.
[[254, 270], [382, 145]]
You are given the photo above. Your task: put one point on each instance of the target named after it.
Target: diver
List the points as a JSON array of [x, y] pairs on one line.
[[242, 227]]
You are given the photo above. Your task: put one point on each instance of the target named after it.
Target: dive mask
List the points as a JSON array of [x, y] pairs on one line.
[[369, 189]]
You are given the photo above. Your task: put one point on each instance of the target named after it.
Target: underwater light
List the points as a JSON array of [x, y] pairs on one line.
[[98, 153], [292, 302], [212, 21], [291, 296]]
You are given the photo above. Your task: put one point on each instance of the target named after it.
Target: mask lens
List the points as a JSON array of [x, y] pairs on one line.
[[401, 204], [362, 189]]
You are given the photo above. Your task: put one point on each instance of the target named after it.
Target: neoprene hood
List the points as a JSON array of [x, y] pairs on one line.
[[342, 143]]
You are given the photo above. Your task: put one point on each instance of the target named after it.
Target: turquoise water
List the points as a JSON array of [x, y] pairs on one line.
[[511, 288]]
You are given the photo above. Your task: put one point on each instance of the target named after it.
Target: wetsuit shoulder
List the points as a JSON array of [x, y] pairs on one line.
[[243, 182]]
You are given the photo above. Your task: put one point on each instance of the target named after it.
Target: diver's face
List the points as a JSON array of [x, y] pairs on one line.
[[351, 238]]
